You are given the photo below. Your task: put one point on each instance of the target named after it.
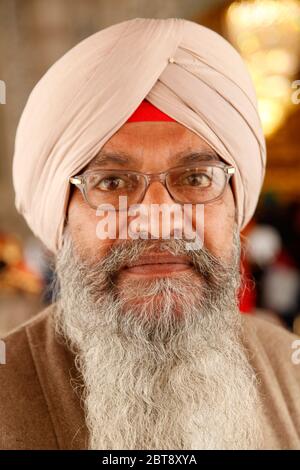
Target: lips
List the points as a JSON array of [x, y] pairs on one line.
[[159, 259], [158, 265]]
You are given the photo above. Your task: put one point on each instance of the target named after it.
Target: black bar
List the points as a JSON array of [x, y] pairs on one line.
[[138, 459]]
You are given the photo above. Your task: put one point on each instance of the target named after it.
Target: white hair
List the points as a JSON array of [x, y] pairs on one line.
[[162, 361]]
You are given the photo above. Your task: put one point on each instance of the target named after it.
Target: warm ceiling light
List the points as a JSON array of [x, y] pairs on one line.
[[267, 34]]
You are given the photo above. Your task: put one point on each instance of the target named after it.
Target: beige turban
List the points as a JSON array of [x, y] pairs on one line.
[[184, 69]]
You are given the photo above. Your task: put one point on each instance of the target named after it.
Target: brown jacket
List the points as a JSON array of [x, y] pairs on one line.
[[40, 410]]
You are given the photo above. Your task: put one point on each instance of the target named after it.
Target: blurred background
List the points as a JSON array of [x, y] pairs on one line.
[[35, 33]]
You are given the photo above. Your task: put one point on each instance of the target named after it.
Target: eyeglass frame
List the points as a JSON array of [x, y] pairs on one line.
[[80, 182]]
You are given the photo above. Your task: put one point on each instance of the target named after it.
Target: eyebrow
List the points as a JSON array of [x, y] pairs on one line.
[[185, 157]]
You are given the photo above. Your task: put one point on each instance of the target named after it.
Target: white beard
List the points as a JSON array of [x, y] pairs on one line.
[[154, 379]]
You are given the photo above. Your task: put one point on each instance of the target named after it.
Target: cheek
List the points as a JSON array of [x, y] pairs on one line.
[[82, 223], [219, 223]]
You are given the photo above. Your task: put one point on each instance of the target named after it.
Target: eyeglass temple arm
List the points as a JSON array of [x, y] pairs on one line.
[[75, 180]]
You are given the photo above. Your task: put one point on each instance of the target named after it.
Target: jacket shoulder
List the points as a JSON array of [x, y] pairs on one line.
[[24, 417], [275, 356], [278, 344]]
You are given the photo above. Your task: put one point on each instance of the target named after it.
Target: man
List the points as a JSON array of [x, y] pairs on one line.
[[145, 347]]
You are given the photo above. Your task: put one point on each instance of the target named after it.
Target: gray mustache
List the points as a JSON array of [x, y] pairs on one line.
[[203, 261]]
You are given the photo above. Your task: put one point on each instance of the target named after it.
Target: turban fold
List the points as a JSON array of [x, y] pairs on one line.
[[184, 69]]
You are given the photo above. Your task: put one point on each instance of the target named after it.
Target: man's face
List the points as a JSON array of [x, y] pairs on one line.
[[153, 147], [156, 379]]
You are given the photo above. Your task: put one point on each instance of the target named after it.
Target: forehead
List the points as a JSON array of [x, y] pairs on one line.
[[138, 143], [166, 135]]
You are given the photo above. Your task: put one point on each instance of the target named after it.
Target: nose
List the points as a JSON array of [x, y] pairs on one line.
[[164, 216], [157, 193]]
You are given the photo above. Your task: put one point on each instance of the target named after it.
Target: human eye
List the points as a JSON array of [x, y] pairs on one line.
[[196, 179], [113, 182]]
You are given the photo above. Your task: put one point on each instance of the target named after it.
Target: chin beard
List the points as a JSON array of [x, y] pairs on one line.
[[167, 372]]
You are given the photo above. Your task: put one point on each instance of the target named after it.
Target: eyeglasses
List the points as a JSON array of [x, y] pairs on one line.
[[199, 183]]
